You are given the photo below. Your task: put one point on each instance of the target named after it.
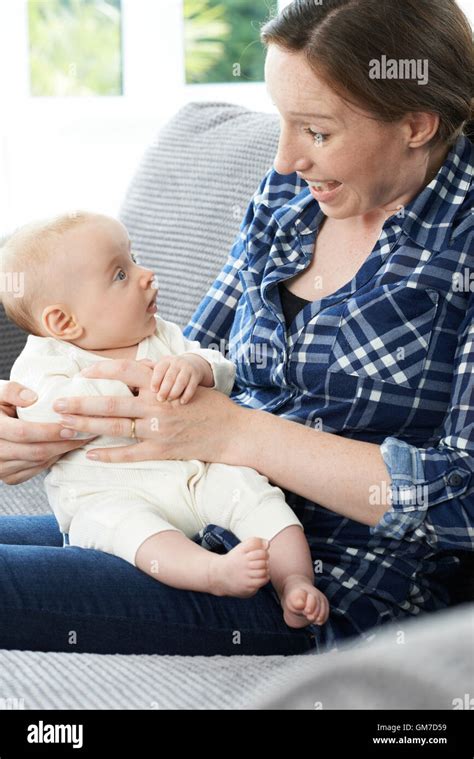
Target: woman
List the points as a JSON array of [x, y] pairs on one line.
[[353, 292]]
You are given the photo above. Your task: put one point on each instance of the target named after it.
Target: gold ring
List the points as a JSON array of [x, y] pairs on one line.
[[133, 421]]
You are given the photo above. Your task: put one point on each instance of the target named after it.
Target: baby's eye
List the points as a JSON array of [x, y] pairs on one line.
[[318, 137], [121, 271]]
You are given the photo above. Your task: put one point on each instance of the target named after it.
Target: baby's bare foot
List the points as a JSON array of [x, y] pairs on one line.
[[303, 604], [242, 571]]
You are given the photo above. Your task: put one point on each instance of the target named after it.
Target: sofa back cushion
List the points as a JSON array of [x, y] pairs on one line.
[[184, 206], [12, 339]]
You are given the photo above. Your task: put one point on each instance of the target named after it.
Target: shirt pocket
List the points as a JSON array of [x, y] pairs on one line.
[[385, 337]]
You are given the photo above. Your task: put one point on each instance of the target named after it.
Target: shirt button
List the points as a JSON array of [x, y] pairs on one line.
[[455, 480]]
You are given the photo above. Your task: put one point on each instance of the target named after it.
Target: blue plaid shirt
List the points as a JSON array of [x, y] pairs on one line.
[[387, 359]]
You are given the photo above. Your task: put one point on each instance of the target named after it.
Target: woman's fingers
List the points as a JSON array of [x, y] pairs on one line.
[[15, 472], [144, 451], [14, 394], [100, 406], [7, 410], [27, 448], [112, 427], [18, 431], [147, 362], [22, 476], [24, 454], [132, 373]]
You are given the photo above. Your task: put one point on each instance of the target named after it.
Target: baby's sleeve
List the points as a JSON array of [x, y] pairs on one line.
[[57, 376]]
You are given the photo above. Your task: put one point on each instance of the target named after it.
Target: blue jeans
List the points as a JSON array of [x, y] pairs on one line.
[[55, 598]]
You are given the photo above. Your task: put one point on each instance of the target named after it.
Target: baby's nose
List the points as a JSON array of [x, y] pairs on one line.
[[147, 279]]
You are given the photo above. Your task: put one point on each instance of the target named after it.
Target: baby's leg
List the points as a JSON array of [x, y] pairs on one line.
[[292, 576], [175, 560], [127, 526], [243, 501]]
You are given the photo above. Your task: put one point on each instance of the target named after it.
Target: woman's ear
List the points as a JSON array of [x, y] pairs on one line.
[[59, 323], [421, 127]]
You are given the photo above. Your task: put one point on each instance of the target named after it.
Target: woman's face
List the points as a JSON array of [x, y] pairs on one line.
[[324, 138]]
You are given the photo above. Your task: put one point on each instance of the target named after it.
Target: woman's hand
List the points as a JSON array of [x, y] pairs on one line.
[[210, 427], [26, 448]]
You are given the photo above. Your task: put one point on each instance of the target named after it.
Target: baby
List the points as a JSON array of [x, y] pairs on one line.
[[84, 297]]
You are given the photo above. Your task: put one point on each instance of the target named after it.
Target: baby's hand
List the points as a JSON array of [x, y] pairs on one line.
[[179, 376]]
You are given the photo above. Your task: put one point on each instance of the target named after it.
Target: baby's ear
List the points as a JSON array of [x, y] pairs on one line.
[[60, 323]]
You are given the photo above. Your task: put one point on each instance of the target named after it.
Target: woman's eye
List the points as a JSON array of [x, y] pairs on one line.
[[121, 271], [318, 137], [134, 258]]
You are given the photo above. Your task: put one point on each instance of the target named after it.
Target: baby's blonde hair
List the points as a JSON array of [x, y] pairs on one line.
[[28, 253]]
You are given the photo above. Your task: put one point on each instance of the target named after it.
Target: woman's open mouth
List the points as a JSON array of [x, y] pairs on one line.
[[325, 191]]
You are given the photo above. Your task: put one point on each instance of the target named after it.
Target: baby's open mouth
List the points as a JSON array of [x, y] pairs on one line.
[[152, 305]]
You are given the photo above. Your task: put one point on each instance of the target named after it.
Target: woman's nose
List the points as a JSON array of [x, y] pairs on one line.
[[290, 155]]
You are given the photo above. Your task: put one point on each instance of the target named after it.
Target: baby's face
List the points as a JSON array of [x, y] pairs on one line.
[[105, 292]]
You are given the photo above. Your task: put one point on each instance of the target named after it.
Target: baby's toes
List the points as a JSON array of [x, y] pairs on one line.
[[297, 600], [260, 555], [323, 611], [258, 564], [312, 608], [255, 545], [255, 550]]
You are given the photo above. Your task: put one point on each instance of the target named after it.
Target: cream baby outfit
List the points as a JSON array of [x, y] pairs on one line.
[[115, 507]]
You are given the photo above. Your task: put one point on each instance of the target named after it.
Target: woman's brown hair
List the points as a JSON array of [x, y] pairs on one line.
[[342, 38]]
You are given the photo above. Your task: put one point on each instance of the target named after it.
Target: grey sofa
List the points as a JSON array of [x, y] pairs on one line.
[[183, 209]]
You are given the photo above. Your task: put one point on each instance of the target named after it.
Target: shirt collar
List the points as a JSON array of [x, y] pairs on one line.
[[428, 218]]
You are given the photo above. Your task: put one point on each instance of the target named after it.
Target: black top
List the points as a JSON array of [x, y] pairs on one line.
[[291, 303]]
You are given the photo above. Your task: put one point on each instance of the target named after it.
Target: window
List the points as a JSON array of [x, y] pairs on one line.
[[75, 47], [221, 41]]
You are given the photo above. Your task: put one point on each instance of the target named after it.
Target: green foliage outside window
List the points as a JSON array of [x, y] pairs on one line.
[[75, 47], [222, 40]]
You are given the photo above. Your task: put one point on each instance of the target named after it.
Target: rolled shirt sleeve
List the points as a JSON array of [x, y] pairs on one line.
[[432, 488]]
